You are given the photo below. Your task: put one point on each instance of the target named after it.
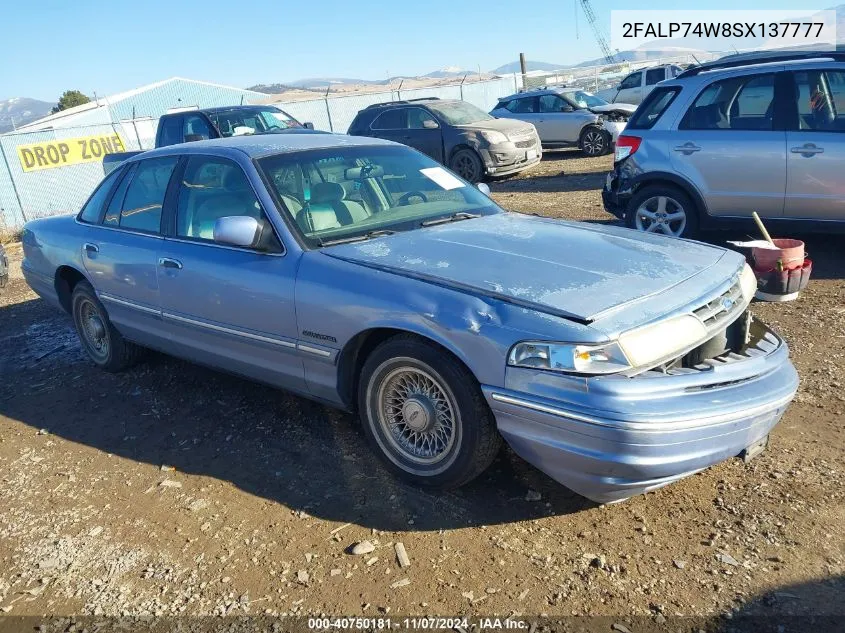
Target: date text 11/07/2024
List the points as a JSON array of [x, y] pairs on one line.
[[419, 624]]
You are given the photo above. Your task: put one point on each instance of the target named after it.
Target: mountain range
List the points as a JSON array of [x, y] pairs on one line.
[[19, 111]]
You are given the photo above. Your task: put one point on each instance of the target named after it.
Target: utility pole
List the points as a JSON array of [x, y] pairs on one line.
[[523, 68]]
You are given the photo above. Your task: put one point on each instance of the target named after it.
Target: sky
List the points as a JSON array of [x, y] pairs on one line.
[[107, 47]]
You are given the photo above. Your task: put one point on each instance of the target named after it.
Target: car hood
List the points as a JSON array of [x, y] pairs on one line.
[[625, 108], [506, 126], [573, 270]]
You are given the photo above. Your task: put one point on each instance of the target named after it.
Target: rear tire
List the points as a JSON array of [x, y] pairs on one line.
[[102, 343], [467, 164], [424, 414], [594, 141], [663, 210]]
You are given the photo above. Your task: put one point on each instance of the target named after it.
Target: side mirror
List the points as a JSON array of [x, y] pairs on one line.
[[245, 232], [190, 138], [484, 188], [429, 124], [308, 125]]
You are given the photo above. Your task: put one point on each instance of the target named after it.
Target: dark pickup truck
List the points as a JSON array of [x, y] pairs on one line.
[[198, 125]]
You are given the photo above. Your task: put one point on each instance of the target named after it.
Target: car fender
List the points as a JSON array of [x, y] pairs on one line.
[[652, 177]]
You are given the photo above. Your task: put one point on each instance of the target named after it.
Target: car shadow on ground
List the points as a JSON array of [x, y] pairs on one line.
[[266, 442]]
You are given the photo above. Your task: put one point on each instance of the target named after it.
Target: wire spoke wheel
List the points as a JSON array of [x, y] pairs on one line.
[[94, 331], [417, 415], [662, 215]]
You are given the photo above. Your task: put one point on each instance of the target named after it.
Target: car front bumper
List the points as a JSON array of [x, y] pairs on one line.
[[502, 162], [614, 437]]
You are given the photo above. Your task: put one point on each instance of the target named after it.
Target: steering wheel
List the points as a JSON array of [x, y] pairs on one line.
[[406, 199]]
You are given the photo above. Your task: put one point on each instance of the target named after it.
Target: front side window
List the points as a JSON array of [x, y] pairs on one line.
[[251, 120], [584, 99], [196, 128], [527, 105], [343, 193], [94, 207], [552, 103], [821, 100], [393, 119], [212, 188], [631, 81], [141, 208], [738, 103], [419, 119]]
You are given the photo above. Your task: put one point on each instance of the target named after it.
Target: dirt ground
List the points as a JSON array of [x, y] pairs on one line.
[[173, 489]]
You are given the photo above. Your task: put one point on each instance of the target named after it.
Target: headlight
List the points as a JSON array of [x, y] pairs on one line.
[[748, 282], [647, 345], [494, 137], [569, 357]]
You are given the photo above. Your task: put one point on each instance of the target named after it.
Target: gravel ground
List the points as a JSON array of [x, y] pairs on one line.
[[173, 489]]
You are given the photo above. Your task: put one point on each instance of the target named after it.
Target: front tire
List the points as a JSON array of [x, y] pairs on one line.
[[424, 414], [664, 210], [102, 343], [594, 141], [467, 164]]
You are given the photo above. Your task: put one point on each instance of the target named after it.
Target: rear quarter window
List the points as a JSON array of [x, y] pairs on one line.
[[652, 108]]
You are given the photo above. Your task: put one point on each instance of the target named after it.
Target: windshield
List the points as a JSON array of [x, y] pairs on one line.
[[459, 112], [348, 192], [238, 122], [584, 99]]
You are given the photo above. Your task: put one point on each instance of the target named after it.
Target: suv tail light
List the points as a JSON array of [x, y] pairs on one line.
[[625, 146]]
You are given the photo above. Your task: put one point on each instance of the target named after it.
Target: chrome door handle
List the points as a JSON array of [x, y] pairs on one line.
[[808, 149], [91, 248], [687, 148], [168, 262]]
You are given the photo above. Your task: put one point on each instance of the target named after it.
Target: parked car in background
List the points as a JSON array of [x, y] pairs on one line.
[[362, 274], [4, 267], [455, 133], [761, 132], [636, 86], [565, 118], [197, 125]]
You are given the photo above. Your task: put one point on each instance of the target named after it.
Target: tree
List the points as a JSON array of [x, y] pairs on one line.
[[69, 99]]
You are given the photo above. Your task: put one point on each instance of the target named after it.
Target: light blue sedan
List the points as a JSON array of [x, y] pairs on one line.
[[362, 274]]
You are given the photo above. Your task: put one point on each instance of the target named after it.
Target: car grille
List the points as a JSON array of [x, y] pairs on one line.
[[524, 144], [723, 309]]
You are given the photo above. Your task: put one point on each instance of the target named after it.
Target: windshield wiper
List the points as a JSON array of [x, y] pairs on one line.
[[356, 238], [460, 215]]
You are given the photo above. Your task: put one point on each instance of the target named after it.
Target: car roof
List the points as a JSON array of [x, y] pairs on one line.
[[231, 108], [257, 145]]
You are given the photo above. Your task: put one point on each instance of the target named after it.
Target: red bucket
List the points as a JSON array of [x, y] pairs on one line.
[[789, 252]]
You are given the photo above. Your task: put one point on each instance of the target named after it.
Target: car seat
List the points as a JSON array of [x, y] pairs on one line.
[[328, 208]]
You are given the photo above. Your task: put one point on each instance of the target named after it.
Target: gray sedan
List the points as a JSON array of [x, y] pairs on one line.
[[362, 274]]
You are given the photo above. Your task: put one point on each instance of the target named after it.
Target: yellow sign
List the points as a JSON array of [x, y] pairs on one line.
[[69, 151]]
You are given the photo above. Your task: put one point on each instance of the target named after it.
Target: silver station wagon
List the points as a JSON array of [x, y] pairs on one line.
[[362, 274]]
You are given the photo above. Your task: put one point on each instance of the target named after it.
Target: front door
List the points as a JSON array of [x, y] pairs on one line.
[[727, 146], [815, 187], [120, 253], [630, 89], [424, 133], [225, 306]]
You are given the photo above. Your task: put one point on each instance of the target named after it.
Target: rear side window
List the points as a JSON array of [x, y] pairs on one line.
[[196, 128], [652, 108], [527, 105], [112, 217], [395, 119], [171, 131], [738, 103], [92, 209], [654, 76], [141, 208]]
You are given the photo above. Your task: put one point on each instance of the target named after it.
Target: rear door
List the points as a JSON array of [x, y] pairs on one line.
[[222, 305], [392, 124], [526, 109], [815, 186], [728, 146], [120, 254]]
